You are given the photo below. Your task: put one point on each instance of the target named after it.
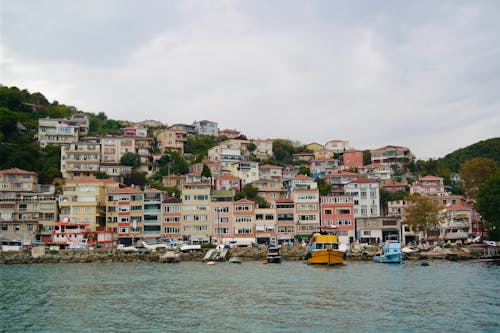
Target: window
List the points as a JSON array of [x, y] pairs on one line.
[[17, 227], [328, 212], [4, 227], [343, 211]]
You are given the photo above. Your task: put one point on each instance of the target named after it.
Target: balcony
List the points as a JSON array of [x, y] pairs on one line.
[[456, 235], [459, 225]]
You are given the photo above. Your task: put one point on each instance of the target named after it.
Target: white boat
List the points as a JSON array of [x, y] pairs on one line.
[[186, 248], [409, 249], [11, 245]]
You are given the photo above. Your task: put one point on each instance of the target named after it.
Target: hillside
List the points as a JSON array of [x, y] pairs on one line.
[[488, 148]]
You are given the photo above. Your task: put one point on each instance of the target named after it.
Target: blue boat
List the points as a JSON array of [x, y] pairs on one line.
[[391, 252]]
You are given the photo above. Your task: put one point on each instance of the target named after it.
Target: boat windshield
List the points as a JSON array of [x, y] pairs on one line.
[[324, 246]]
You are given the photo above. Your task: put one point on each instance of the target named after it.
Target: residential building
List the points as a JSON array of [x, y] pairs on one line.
[[247, 171], [205, 127], [57, 132], [428, 185], [271, 172], [172, 140], [320, 167], [306, 214], [264, 148], [84, 201], [337, 146], [228, 182], [270, 190], [230, 133], [301, 182], [215, 168], [285, 221], [173, 181], [394, 187], [116, 171], [457, 226], [194, 178], [366, 197], [244, 222], [125, 214], [378, 171], [375, 229], [352, 158], [391, 155], [114, 147], [303, 156], [171, 226], [28, 210], [81, 159], [153, 221], [196, 214], [340, 178], [265, 225], [189, 129], [337, 214], [135, 131], [222, 207], [229, 151]]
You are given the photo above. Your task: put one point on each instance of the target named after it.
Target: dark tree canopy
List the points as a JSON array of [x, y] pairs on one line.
[[488, 205]]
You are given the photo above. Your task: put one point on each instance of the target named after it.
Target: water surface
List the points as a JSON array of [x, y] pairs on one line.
[[251, 297]]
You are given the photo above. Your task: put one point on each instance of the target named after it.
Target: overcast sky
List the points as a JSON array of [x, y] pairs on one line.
[[421, 74]]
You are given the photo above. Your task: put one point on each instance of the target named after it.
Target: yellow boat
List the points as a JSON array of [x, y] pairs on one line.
[[324, 250]]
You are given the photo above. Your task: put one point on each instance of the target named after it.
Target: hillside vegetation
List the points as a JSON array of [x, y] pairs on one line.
[[488, 148]]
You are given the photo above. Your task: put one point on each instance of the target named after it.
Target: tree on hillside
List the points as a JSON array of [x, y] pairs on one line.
[[251, 193], [131, 159], [206, 173], [475, 172], [303, 170], [488, 205], [283, 151], [422, 214], [324, 188]]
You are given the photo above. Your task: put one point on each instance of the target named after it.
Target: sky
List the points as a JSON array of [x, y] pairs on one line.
[[420, 74]]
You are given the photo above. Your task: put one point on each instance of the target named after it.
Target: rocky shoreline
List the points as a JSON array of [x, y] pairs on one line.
[[246, 254]]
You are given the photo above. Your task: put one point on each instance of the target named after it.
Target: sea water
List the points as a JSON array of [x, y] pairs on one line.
[[250, 297]]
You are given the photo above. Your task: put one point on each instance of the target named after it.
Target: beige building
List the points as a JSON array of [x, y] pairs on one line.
[[172, 140], [62, 131], [306, 202], [264, 148], [27, 210], [196, 215], [81, 159], [84, 201], [247, 171], [265, 226]]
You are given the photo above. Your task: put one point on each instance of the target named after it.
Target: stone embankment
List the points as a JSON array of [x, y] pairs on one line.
[[290, 254]]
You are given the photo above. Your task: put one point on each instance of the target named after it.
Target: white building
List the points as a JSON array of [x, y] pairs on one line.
[[205, 127], [366, 196]]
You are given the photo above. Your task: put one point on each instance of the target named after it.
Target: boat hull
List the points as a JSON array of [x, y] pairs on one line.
[[393, 259], [326, 257], [273, 260]]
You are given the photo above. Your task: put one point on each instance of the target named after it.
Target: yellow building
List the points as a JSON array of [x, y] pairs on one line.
[[196, 217], [84, 200]]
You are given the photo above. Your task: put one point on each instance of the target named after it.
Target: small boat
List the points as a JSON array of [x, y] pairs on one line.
[[409, 249], [391, 252], [211, 263], [170, 257], [324, 250], [274, 254], [11, 245], [234, 260]]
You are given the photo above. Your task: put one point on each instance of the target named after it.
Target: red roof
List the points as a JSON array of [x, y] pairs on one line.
[[302, 177], [391, 148], [245, 200], [429, 177], [172, 200], [16, 171], [283, 201], [125, 190], [459, 207]]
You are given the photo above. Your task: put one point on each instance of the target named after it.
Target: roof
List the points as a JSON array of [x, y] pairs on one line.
[[391, 148], [363, 181], [429, 177], [459, 207], [245, 200], [302, 177], [152, 190], [125, 190], [16, 171], [270, 166], [172, 200]]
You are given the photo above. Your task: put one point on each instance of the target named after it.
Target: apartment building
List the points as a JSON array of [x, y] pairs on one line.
[[196, 214], [306, 213], [244, 221], [264, 148], [352, 158], [366, 197], [222, 222], [125, 214], [81, 159], [206, 127], [28, 210], [172, 140], [228, 182], [153, 200], [377, 171], [337, 146], [320, 167], [340, 178], [171, 226], [337, 214], [285, 221], [265, 226], [391, 155], [84, 201], [271, 190], [428, 185], [375, 229], [62, 131], [247, 171], [229, 133], [271, 172]]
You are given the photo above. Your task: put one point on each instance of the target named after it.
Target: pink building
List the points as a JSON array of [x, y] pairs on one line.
[[228, 182], [428, 185], [337, 213], [394, 187]]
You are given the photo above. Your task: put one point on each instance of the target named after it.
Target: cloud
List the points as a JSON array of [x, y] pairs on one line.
[[423, 75]]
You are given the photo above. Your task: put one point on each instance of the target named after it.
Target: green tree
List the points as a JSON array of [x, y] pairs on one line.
[[135, 178], [324, 187], [303, 170], [488, 205], [206, 173], [475, 172], [8, 120], [422, 214], [367, 157], [101, 175], [283, 151], [131, 159], [251, 147]]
